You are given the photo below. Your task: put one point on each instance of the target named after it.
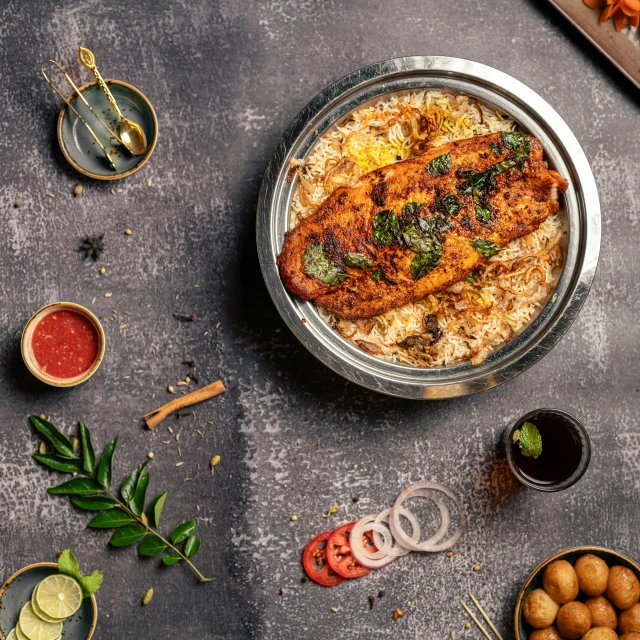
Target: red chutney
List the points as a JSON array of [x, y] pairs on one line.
[[65, 344]]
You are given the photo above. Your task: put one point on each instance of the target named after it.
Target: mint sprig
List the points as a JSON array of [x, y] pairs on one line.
[[68, 565], [529, 440]]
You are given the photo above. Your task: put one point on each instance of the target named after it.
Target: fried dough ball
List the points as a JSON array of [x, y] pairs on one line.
[[602, 612], [600, 633], [593, 575], [629, 621], [630, 636], [623, 588], [560, 581], [574, 620], [539, 609], [551, 633]]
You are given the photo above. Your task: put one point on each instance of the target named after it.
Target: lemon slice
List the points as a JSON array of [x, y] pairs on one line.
[[19, 634], [58, 596], [36, 629], [12, 635], [39, 612]]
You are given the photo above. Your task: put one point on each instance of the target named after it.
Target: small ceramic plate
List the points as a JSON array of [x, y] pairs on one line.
[[17, 591], [534, 581], [79, 146]]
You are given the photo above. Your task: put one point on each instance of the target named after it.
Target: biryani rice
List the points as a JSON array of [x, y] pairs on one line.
[[475, 317]]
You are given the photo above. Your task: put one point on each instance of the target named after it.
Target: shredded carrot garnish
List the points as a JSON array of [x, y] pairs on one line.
[[625, 13]]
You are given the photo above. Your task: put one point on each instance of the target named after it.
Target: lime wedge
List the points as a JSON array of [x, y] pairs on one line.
[[34, 628], [58, 596], [39, 612]]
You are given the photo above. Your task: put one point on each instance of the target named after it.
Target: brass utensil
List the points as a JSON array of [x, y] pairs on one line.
[[131, 133], [68, 103]]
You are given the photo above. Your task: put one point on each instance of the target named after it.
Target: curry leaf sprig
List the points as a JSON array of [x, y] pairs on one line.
[[91, 490]]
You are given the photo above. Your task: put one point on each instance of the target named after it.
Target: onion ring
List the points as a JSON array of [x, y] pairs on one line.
[[397, 549], [377, 559], [433, 544]]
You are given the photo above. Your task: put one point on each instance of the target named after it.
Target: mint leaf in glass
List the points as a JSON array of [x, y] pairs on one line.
[[530, 440]]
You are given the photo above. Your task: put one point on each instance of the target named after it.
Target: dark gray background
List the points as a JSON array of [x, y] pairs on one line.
[[226, 78]]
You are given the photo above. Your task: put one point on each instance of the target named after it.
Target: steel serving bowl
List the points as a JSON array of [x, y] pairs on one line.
[[581, 208]]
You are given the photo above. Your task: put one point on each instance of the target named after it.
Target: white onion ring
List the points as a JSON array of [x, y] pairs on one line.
[[433, 544], [374, 560], [397, 549]]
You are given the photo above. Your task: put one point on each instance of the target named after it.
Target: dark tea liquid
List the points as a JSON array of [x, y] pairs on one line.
[[561, 451]]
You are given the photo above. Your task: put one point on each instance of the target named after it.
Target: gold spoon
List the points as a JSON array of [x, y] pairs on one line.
[[131, 133]]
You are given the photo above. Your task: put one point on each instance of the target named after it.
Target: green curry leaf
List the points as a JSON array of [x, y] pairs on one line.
[[385, 228], [424, 263], [440, 165], [519, 144], [317, 265], [484, 247], [357, 260]]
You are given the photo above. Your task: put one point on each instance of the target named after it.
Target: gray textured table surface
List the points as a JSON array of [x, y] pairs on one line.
[[226, 77]]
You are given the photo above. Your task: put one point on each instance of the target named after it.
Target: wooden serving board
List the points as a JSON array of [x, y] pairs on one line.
[[622, 48]]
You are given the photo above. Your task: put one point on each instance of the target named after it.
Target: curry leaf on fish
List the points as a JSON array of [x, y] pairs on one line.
[[357, 261], [440, 165], [385, 228], [519, 144], [318, 265], [485, 247]]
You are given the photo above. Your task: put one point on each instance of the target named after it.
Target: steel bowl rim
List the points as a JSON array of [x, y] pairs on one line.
[[538, 338]]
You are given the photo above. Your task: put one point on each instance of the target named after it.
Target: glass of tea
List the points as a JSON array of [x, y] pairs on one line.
[[548, 449]]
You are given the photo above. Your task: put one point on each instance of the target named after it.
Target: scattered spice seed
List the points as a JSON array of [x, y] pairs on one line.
[[467, 625], [214, 461], [75, 443], [182, 383], [103, 271], [150, 455], [333, 509], [294, 518], [477, 568], [17, 204], [334, 609], [127, 232], [183, 316], [51, 195], [78, 190], [397, 614], [356, 498], [170, 389], [381, 594], [283, 591], [372, 598], [108, 294], [453, 635], [43, 448], [179, 464], [147, 597], [149, 182], [449, 554]]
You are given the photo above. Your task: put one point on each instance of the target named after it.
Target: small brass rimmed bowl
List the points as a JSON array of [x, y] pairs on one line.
[[17, 591], [522, 628], [79, 147], [27, 344]]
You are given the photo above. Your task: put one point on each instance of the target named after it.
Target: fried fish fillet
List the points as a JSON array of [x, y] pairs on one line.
[[416, 227]]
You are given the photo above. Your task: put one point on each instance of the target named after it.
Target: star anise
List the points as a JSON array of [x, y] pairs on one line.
[[92, 246]]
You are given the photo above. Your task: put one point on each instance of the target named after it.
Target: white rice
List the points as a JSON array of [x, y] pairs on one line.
[[476, 318]]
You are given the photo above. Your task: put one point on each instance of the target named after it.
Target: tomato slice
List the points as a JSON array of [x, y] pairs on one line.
[[314, 561], [339, 553]]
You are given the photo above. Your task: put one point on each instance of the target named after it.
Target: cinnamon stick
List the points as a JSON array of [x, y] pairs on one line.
[[154, 418]]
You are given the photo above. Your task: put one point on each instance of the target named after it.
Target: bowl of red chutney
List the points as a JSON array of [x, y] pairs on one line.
[[63, 344]]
